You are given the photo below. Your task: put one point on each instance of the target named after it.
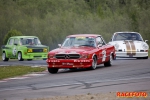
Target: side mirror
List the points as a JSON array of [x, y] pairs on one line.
[[59, 45], [99, 45], [146, 40]]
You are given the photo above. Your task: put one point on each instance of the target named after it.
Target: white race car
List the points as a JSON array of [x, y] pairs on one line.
[[130, 44]]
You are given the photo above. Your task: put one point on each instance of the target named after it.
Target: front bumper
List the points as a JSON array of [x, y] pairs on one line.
[[69, 63], [137, 54], [34, 56]]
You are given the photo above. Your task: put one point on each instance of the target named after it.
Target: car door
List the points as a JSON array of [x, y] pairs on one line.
[[106, 51], [9, 45], [102, 52], [12, 45], [15, 47]]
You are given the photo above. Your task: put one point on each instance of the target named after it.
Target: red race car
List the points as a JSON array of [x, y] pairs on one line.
[[81, 51]]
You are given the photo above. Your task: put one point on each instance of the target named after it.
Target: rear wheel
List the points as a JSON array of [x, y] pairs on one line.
[[109, 62], [4, 58], [94, 63], [20, 56], [52, 70]]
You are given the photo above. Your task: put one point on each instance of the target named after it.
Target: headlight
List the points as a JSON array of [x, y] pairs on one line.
[[45, 50], [145, 47], [29, 50], [85, 56], [50, 56], [116, 46]]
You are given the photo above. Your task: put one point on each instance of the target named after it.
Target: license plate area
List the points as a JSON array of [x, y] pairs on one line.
[[68, 64], [37, 57]]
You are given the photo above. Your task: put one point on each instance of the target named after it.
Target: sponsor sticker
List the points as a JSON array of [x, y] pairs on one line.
[[80, 37], [81, 60], [54, 61]]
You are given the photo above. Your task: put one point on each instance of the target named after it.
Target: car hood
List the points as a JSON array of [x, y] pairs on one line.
[[72, 50], [135, 45], [36, 46]]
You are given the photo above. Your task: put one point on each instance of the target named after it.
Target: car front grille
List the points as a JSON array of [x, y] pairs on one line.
[[67, 56], [37, 50]]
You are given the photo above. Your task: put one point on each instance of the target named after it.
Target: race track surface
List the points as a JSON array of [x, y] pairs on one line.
[[125, 75]]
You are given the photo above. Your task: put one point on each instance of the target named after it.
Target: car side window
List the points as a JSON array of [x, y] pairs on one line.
[[99, 41], [104, 43], [16, 41], [11, 41]]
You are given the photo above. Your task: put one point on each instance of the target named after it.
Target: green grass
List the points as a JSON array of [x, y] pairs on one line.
[[12, 71]]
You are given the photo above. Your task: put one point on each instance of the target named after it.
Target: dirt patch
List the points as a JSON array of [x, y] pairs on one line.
[[98, 96]]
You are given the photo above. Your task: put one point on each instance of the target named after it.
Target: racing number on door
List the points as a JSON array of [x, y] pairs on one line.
[[103, 55], [14, 51]]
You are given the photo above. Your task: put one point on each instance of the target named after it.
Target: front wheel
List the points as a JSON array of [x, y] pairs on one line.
[[94, 63], [52, 70], [20, 56], [44, 58], [145, 57], [29, 59], [139, 58], [109, 62], [4, 58]]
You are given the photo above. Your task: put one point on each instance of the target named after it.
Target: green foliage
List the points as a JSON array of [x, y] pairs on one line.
[[53, 20], [10, 34], [12, 71]]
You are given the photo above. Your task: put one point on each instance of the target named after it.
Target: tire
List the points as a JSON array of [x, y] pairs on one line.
[[94, 63], [72, 69], [52, 70], [4, 58], [145, 57], [44, 58], [20, 56], [29, 59], [115, 58], [109, 62], [139, 58]]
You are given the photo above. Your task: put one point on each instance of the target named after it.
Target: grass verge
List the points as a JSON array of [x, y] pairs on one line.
[[12, 71]]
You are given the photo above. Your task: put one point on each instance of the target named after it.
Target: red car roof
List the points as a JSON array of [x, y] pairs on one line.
[[87, 35]]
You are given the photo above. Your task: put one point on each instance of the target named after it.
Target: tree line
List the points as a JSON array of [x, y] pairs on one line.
[[53, 20]]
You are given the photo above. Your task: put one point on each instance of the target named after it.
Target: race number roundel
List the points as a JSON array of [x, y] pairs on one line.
[[103, 55], [14, 51]]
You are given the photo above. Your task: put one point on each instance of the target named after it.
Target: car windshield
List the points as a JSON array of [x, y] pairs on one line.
[[127, 36], [30, 41], [79, 41]]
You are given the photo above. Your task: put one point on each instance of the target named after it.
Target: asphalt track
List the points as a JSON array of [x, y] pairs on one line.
[[125, 75]]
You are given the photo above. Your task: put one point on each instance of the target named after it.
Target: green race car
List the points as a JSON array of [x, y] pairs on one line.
[[24, 47]]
